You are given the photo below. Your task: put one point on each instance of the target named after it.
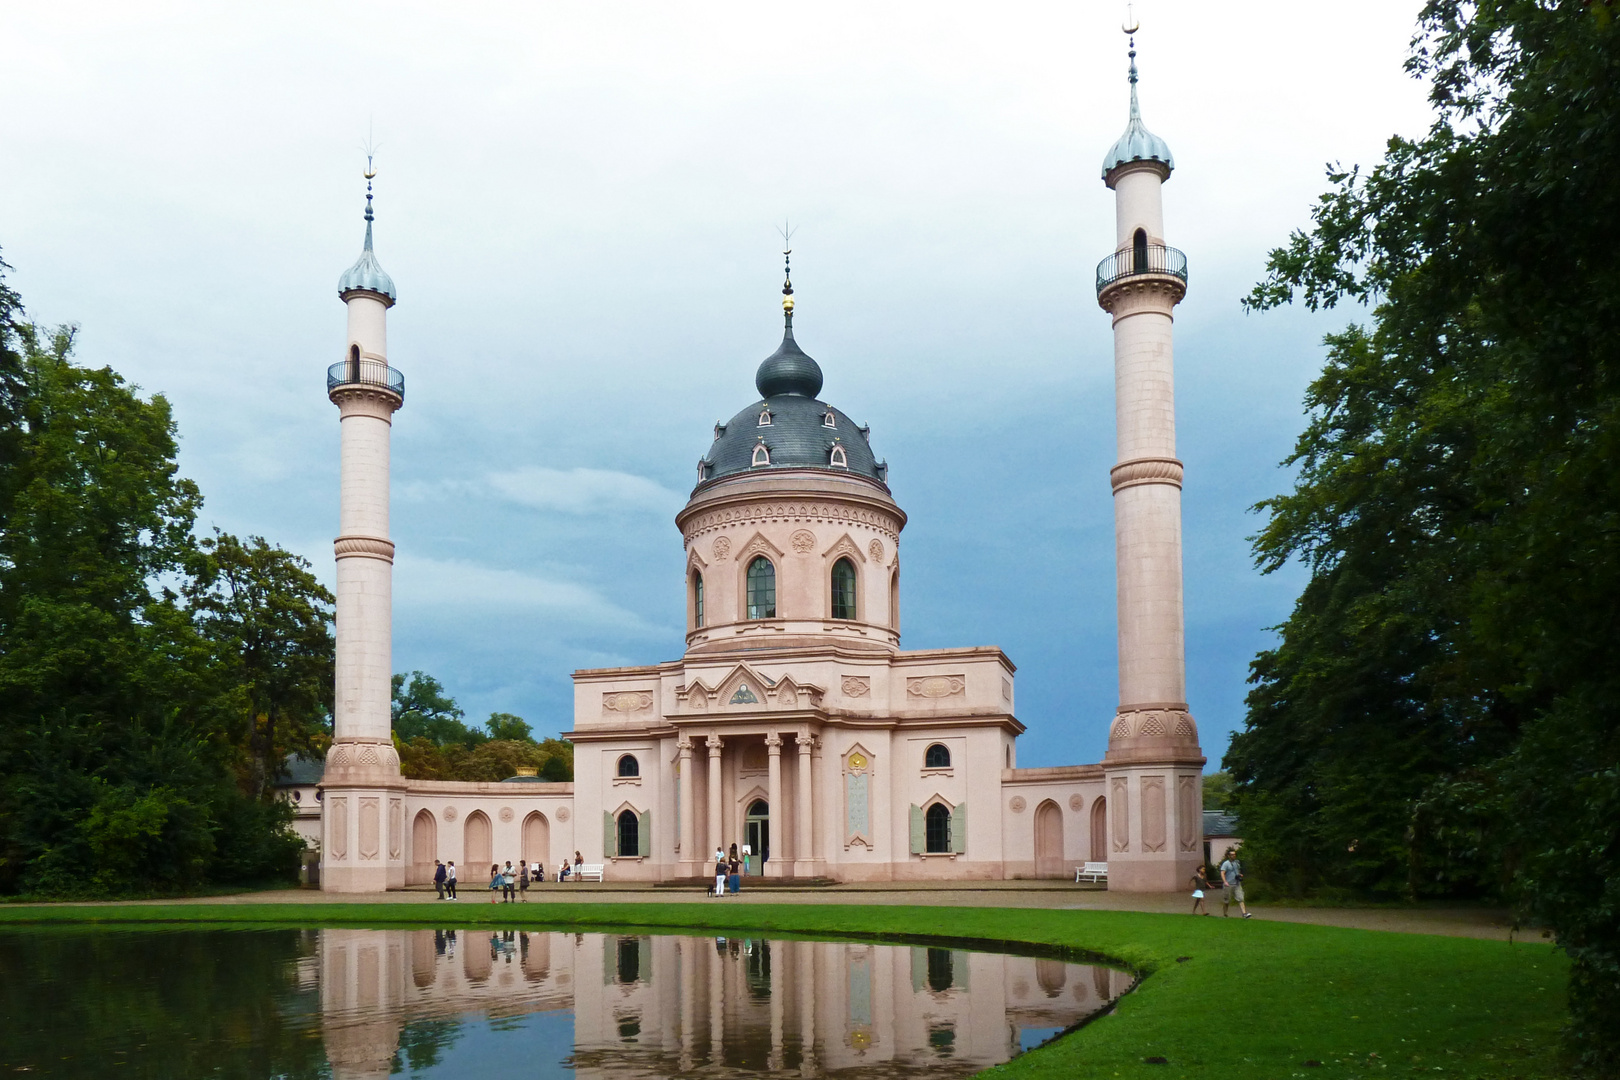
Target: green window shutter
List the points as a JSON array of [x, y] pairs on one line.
[[959, 828], [918, 835], [644, 834], [610, 836]]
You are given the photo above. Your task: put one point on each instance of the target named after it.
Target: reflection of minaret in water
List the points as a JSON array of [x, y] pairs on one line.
[[363, 816], [1154, 764]]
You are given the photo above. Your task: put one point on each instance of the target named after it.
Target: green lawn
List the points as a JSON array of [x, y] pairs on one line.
[[1253, 1000]]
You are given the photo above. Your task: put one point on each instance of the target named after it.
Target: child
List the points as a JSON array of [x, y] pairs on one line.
[[1200, 882]]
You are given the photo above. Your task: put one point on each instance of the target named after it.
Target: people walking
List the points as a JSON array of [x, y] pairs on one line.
[[438, 877], [1232, 883], [450, 879], [494, 882], [1200, 885], [523, 883]]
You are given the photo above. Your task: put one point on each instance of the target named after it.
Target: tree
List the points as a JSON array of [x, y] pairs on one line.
[[421, 708], [115, 719], [506, 726], [1442, 711], [270, 622]]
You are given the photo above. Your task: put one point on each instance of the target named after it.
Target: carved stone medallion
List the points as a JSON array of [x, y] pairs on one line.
[[875, 549], [1076, 803], [562, 813], [627, 701], [506, 813], [722, 547], [803, 541], [1016, 804], [449, 813], [936, 686], [857, 685]]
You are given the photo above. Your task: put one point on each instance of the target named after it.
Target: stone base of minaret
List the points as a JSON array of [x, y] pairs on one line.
[[362, 818], [1154, 772]]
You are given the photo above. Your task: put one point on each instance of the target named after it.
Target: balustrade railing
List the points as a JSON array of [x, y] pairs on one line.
[[1141, 259], [364, 371]]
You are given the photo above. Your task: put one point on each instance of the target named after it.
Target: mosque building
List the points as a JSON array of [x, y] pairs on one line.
[[794, 722]]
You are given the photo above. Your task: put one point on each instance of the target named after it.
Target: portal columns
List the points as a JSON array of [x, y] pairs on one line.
[[773, 750], [686, 777], [717, 838], [803, 857]]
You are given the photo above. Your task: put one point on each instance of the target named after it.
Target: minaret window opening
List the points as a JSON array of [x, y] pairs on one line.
[[938, 825], [843, 589], [761, 589], [937, 756], [762, 455], [765, 418], [697, 599], [830, 420], [839, 459], [894, 600], [1139, 252], [354, 363], [629, 766]]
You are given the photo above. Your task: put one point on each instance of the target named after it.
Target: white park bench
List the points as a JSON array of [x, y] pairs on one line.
[[1092, 871], [591, 871]]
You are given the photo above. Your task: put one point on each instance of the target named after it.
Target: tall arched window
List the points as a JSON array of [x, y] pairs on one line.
[[697, 598], [761, 589], [354, 363], [629, 833], [843, 589], [1139, 252], [937, 756], [938, 822], [629, 766]]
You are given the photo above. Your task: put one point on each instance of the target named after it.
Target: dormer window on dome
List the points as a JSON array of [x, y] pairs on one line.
[[838, 458], [830, 419], [719, 430], [765, 418], [762, 454], [703, 470]]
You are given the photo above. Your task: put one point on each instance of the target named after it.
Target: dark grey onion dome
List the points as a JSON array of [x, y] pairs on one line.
[[788, 370], [800, 430]]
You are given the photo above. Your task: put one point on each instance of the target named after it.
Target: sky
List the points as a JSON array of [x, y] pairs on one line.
[[578, 204]]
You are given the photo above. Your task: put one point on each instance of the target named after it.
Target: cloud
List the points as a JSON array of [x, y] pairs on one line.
[[584, 491], [453, 589]]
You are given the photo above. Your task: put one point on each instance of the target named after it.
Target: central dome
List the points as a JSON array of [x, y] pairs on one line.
[[789, 427]]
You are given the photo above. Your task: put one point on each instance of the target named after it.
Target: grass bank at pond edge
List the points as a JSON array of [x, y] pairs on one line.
[[1254, 999]]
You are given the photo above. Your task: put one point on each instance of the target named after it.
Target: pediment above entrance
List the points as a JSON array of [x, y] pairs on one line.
[[744, 689]]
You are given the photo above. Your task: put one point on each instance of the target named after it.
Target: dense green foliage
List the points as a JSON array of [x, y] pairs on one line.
[[121, 707], [1221, 997], [435, 744], [1442, 713]]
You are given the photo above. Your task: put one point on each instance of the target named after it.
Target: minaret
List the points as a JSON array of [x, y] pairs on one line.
[[363, 809], [1154, 764]]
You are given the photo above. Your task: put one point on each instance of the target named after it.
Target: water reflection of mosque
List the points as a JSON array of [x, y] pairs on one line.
[[651, 1006]]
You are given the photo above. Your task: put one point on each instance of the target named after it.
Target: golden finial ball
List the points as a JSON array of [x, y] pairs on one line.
[[787, 303]]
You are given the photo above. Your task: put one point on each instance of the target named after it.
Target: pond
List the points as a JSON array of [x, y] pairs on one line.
[[352, 1004]]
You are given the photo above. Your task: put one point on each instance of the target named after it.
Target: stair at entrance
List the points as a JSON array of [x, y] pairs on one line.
[[749, 883]]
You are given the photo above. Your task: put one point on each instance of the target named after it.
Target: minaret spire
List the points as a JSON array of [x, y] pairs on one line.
[[1130, 34], [787, 276]]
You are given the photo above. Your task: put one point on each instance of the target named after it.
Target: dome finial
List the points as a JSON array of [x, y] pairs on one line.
[[787, 272], [1131, 25]]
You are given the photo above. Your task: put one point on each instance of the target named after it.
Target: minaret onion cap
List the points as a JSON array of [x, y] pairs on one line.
[[367, 274], [1138, 143]]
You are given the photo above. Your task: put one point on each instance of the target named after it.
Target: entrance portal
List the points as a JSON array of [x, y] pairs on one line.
[[757, 831]]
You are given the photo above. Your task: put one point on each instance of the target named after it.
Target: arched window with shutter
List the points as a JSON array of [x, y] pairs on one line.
[[761, 589], [843, 589]]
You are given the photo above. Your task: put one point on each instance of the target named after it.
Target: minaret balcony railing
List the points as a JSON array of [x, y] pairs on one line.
[[365, 372], [1141, 260]]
